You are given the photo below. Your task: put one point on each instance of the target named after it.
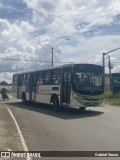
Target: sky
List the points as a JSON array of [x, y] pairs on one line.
[[30, 28]]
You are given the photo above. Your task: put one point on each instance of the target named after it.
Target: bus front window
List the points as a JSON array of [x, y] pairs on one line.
[[87, 82]]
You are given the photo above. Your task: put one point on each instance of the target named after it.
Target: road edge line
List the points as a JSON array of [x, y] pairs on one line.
[[20, 133]]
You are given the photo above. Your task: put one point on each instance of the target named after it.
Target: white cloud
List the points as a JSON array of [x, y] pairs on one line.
[[5, 76], [12, 40], [66, 14], [4, 7], [52, 21], [38, 4]]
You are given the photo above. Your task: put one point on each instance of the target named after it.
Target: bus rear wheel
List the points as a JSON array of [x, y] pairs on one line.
[[55, 103]]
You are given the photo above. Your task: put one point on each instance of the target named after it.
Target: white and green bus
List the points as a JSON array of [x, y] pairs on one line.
[[71, 85]]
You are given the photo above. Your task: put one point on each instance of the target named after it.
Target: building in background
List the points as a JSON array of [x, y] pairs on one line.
[[116, 82]]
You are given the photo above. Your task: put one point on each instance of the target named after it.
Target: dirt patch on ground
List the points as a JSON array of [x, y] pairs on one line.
[[9, 137]]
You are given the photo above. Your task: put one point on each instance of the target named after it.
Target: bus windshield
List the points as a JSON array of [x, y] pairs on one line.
[[87, 82]]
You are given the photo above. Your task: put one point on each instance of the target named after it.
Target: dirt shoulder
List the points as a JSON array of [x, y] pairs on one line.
[[9, 137]]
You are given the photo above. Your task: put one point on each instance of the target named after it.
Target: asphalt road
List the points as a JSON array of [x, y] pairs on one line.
[[96, 129]]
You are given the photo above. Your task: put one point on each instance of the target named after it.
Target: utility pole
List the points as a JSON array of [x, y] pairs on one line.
[[52, 48], [104, 69], [110, 67], [105, 53], [52, 57]]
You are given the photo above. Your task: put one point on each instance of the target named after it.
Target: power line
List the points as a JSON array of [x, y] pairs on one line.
[[35, 60]]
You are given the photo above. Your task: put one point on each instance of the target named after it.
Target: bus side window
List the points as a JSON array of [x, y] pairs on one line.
[[40, 78], [24, 79], [20, 80], [56, 77], [47, 77], [34, 79], [27, 79]]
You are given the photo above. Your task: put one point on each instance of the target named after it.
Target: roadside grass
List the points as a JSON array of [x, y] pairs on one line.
[[113, 99]]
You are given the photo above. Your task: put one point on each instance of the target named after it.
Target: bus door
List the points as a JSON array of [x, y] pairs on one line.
[[20, 78], [32, 86], [15, 87], [66, 86]]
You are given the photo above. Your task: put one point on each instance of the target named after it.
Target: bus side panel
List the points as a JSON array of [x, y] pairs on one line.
[[33, 96], [42, 98], [19, 92], [27, 96], [44, 93]]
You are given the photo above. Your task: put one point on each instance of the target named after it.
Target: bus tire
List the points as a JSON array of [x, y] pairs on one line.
[[23, 97], [55, 103]]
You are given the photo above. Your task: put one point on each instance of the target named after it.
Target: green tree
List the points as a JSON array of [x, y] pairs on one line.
[[4, 83]]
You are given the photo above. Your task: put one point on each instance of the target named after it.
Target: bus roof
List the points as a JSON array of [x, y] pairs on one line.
[[52, 67], [46, 68]]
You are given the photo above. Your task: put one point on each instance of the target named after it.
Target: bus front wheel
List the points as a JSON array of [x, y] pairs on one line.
[[55, 103]]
